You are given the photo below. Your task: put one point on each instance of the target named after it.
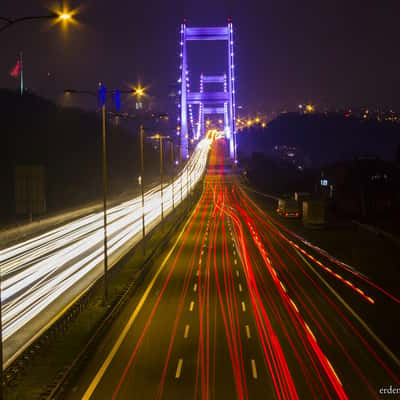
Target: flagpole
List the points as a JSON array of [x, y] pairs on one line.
[[21, 73]]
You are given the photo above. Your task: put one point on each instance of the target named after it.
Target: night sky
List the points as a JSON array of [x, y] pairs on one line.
[[332, 53]]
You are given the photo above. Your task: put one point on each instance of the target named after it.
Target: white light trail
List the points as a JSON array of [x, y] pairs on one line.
[[37, 271]]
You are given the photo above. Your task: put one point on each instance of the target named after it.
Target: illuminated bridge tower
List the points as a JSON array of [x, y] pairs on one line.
[[221, 102]]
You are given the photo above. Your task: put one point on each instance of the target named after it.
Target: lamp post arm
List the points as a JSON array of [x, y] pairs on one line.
[[11, 22]]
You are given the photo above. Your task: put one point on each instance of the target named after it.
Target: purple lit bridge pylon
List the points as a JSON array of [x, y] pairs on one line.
[[207, 102]]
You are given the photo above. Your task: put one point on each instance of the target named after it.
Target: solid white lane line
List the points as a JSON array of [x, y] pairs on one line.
[[194, 287], [243, 306], [240, 287], [254, 369], [179, 368], [186, 334], [191, 306], [248, 334]]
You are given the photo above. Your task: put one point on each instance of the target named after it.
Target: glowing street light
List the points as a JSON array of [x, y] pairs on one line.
[[139, 91], [65, 16]]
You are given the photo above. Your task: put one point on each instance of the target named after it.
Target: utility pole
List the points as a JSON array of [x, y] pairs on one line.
[[180, 166], [104, 164], [141, 129], [172, 172], [161, 178], [187, 182]]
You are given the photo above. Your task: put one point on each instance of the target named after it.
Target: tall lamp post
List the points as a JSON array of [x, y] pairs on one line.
[[160, 138], [180, 163], [102, 95], [104, 169], [141, 131], [172, 175]]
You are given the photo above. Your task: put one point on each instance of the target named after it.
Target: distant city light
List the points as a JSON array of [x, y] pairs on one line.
[[310, 108]]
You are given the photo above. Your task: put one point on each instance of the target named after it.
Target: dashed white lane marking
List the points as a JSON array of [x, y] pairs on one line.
[[234, 252], [254, 369], [186, 334], [248, 334], [179, 368], [235, 261], [237, 273], [240, 287], [194, 287], [243, 306], [197, 273], [191, 306]]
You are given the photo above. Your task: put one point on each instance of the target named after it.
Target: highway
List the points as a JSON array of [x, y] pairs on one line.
[[45, 274], [241, 308]]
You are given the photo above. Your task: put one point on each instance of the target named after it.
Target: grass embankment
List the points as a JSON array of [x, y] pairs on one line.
[[50, 362]]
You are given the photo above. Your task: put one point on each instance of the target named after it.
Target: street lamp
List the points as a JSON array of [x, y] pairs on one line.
[[172, 175], [160, 138], [102, 94], [180, 163], [141, 130], [139, 91], [141, 178]]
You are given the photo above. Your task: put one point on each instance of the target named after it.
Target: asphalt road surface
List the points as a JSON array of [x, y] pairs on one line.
[[240, 308]]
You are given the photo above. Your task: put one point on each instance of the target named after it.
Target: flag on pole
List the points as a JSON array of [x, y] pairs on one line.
[[16, 71]]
